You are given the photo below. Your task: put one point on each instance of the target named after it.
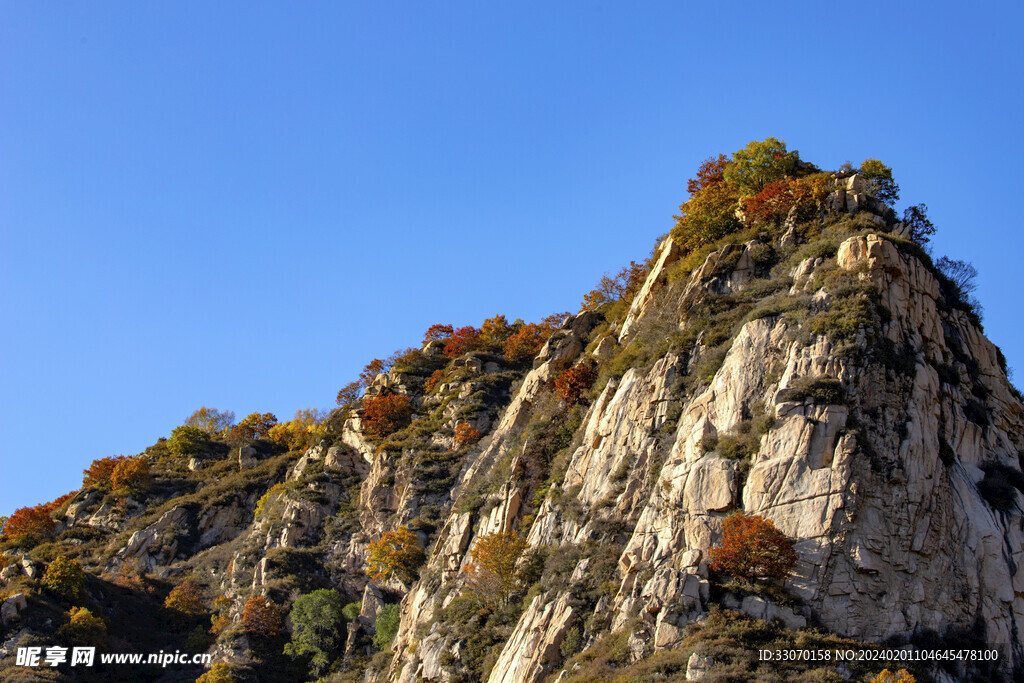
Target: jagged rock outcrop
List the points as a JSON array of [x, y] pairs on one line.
[[819, 374], [892, 540]]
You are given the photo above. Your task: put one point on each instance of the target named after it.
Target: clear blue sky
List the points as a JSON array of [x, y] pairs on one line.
[[240, 204]]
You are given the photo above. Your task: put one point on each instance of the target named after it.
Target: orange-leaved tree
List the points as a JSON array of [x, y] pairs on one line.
[[54, 505], [131, 474], [753, 548], [98, 474], [710, 171], [185, 598], [132, 575], [625, 285], [255, 426], [463, 340], [527, 342], [261, 616], [494, 331], [385, 414], [396, 554], [30, 525], [351, 392], [572, 382], [492, 576], [465, 435], [437, 333], [901, 676], [771, 205], [435, 378]]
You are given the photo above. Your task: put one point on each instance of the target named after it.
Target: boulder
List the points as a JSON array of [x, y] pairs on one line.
[[11, 608], [247, 457], [697, 667]]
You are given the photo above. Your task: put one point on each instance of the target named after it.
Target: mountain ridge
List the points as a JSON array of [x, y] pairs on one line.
[[792, 352]]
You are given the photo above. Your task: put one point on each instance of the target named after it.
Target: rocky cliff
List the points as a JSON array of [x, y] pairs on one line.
[[822, 374]]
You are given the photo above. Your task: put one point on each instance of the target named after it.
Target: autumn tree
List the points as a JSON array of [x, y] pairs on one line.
[[351, 392], [188, 440], [465, 435], [83, 629], [300, 432], [624, 285], [131, 575], [318, 628], [494, 331], [261, 616], [711, 171], [527, 342], [880, 176], [255, 426], [437, 333], [707, 216], [212, 421], [758, 164], [29, 525], [185, 598], [219, 672], [491, 576], [385, 414], [770, 205], [64, 577], [572, 382], [397, 554], [901, 676], [435, 378], [131, 475], [463, 340], [221, 617], [753, 548], [56, 504], [3, 524], [98, 473]]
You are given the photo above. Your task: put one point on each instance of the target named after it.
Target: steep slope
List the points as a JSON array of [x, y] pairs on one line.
[[811, 366]]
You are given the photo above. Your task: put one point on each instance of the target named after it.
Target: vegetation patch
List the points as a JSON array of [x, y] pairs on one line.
[[823, 390]]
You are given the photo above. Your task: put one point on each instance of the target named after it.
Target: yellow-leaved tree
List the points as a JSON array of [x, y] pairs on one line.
[[186, 599], [492, 576], [396, 554]]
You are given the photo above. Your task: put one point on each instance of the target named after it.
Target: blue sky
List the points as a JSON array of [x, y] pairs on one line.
[[240, 204]]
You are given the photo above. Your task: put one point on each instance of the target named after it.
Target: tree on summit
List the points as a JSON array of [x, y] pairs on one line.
[[254, 427], [880, 177], [759, 163], [212, 421]]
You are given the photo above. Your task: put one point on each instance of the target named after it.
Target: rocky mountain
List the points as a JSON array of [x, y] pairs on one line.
[[810, 365]]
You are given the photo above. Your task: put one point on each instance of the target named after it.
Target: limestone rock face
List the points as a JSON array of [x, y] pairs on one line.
[[877, 482], [871, 428], [533, 647]]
